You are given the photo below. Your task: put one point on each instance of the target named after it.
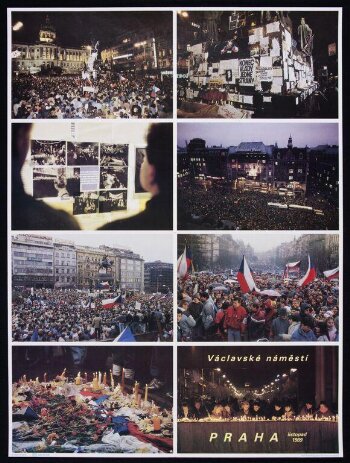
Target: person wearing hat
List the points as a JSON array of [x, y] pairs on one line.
[[279, 325]]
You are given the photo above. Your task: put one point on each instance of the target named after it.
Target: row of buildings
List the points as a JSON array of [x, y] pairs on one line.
[[254, 164], [210, 252], [323, 250], [148, 51], [42, 261]]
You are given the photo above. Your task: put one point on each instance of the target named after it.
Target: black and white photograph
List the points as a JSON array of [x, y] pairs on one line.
[[110, 201], [86, 203], [51, 182], [82, 154], [113, 178], [140, 156], [114, 155], [48, 153]]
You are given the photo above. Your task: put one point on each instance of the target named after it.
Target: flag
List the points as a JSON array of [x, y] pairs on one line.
[[125, 336], [189, 259], [245, 278], [103, 285], [332, 274], [309, 276], [109, 303], [182, 265], [155, 89], [291, 267]]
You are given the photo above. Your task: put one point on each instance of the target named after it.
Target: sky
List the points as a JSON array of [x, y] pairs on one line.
[[150, 246], [74, 29], [233, 133], [265, 241]]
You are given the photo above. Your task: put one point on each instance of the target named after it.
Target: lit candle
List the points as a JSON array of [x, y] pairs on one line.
[[95, 384], [123, 379], [156, 423], [85, 377], [37, 380], [24, 378], [105, 379], [63, 373], [45, 377], [78, 380], [146, 392], [136, 390], [112, 379], [99, 377]]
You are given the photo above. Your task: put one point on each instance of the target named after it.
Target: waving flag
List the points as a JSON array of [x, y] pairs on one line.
[[245, 278], [125, 336], [182, 265], [103, 285], [332, 274], [309, 276], [109, 303]]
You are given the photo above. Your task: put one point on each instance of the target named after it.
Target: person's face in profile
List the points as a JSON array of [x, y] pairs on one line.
[[148, 177]]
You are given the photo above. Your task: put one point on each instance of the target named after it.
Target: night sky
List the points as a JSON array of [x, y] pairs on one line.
[[74, 29], [233, 133]]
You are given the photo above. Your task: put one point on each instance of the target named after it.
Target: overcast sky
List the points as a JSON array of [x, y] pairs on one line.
[[150, 246], [233, 133], [265, 241]]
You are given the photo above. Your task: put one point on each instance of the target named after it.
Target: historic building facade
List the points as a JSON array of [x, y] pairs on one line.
[[46, 53]]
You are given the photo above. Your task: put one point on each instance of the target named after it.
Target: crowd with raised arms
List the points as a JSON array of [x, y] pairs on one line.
[[235, 210], [69, 315], [212, 307], [64, 97]]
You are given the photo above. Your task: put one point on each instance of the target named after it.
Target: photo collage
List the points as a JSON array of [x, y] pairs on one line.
[[175, 239]]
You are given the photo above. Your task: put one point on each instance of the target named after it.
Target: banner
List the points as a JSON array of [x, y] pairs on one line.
[[246, 71]]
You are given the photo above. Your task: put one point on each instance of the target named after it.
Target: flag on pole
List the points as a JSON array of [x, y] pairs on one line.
[[245, 278], [332, 274], [109, 303], [309, 276], [125, 336], [291, 267], [182, 265]]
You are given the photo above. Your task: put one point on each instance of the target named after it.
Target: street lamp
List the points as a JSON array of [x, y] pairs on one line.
[[17, 26]]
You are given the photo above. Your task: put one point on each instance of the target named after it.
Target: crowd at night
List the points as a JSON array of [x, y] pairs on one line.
[[64, 97], [214, 209]]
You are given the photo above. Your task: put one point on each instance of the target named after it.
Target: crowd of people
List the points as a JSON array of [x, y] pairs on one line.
[[82, 154], [248, 210], [63, 97], [48, 153], [284, 409], [71, 315], [204, 313]]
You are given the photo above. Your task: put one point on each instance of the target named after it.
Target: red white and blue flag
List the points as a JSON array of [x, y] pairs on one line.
[[245, 278], [111, 303], [332, 274], [309, 276]]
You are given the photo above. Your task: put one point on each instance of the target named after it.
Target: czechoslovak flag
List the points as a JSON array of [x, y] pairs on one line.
[[332, 274], [182, 265], [309, 276], [245, 278], [109, 303]]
